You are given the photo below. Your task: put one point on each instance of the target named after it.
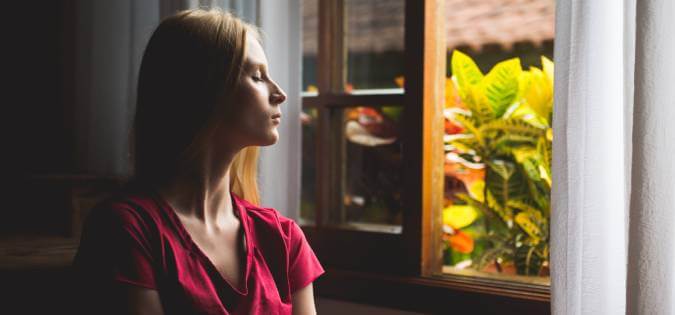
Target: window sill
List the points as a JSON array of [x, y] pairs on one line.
[[440, 294]]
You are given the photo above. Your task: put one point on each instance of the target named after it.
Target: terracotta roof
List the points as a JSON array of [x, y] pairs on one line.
[[377, 25]]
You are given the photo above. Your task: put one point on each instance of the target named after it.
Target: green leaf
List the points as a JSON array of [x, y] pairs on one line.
[[501, 85], [505, 213], [528, 260], [531, 169], [469, 123], [478, 104], [531, 222], [521, 205], [465, 71], [503, 168], [464, 145], [509, 143], [545, 149], [505, 183], [513, 126]]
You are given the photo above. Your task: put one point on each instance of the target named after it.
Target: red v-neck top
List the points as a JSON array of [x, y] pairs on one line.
[[137, 239]]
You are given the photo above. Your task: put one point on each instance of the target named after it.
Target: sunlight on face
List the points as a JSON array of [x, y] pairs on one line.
[[255, 102]]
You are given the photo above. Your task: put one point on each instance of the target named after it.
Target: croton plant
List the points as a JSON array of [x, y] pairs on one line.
[[498, 145]]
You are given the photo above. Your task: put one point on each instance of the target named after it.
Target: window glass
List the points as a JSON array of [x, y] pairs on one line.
[[308, 119], [310, 44], [371, 166], [498, 139], [374, 39]]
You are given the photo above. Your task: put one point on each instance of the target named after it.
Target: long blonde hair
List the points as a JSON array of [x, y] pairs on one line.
[[193, 58]]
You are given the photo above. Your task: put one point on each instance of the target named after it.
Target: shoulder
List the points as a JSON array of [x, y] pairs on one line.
[[135, 210], [269, 217]]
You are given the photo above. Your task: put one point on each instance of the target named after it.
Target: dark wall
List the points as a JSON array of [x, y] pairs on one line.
[[37, 44]]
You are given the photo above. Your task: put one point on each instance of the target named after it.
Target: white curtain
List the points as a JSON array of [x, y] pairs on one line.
[[614, 178], [279, 166]]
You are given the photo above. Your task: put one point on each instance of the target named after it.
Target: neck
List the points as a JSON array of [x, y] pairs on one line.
[[204, 193]]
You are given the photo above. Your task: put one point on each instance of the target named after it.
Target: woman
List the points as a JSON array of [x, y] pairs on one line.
[[187, 236]]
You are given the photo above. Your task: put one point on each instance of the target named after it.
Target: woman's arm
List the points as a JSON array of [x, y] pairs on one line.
[[303, 301]]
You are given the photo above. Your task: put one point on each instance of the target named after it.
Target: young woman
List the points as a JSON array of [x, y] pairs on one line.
[[188, 236]]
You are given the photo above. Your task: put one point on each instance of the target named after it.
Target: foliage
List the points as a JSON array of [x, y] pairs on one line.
[[506, 127]]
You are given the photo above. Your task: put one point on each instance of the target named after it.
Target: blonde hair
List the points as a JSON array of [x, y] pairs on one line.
[[243, 175], [193, 59]]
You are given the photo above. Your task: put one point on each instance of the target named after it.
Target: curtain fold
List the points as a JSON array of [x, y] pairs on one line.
[[614, 179], [651, 276]]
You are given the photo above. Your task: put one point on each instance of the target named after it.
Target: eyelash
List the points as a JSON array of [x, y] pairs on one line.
[[257, 78]]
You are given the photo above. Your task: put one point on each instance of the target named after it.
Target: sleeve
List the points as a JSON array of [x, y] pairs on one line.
[[115, 247], [304, 266]]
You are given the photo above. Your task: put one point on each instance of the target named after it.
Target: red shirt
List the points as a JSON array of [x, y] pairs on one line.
[[138, 239]]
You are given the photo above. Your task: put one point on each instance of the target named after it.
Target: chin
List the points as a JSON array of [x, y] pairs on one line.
[[271, 139], [263, 138]]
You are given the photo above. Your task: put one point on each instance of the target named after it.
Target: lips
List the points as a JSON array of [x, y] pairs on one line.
[[276, 118]]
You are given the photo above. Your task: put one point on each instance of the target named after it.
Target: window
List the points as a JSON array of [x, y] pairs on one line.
[[497, 190], [387, 193]]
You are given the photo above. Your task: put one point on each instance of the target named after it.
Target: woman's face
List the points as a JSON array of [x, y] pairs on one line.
[[255, 110]]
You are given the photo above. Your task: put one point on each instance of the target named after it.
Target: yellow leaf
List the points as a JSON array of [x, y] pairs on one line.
[[539, 95], [544, 174], [525, 222], [465, 70], [547, 64], [459, 216], [476, 190], [523, 153]]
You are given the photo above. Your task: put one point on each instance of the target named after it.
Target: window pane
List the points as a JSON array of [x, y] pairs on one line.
[[308, 118], [498, 139], [310, 44], [371, 170], [374, 44]]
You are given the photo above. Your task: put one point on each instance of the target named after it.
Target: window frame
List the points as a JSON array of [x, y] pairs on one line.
[[410, 259]]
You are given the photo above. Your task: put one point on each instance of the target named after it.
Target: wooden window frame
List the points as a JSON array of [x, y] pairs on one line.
[[371, 267]]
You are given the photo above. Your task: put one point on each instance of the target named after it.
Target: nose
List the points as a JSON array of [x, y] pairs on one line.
[[278, 96]]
